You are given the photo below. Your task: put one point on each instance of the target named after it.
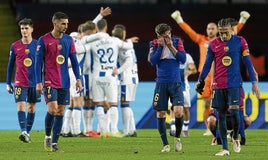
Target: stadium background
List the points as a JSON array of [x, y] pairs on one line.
[[140, 17]]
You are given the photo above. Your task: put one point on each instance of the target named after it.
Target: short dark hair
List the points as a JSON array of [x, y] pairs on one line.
[[101, 24], [232, 21], [224, 22], [59, 15], [162, 28], [26, 21]]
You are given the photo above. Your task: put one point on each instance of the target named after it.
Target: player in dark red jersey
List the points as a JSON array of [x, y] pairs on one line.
[[22, 54]]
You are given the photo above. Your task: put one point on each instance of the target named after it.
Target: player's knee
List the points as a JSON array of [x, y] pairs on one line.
[[211, 120], [161, 114]]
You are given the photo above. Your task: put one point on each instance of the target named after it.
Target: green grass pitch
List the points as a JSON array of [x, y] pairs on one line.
[[146, 146]]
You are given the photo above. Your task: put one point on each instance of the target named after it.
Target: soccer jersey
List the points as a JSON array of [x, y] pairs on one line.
[[105, 53], [130, 74], [167, 68], [23, 55], [55, 53], [227, 58]]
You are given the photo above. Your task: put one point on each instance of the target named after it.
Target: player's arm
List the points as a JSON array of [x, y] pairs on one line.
[[80, 47], [92, 38], [176, 15], [10, 67], [103, 12], [244, 16], [127, 57], [125, 45], [206, 68], [250, 68], [155, 52], [40, 50]]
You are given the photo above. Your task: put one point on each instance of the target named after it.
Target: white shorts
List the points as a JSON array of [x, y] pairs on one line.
[[73, 92], [105, 88], [187, 98], [128, 92]]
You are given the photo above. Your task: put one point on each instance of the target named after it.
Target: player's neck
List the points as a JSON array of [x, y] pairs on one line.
[[56, 34], [26, 40]]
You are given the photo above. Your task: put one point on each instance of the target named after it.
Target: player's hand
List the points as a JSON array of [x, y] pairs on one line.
[[79, 86], [135, 39], [161, 41], [176, 15], [255, 90], [199, 88], [245, 15], [168, 41], [39, 88], [10, 89], [115, 71], [106, 11]]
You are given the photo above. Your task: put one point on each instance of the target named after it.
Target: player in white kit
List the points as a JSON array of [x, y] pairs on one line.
[[128, 83], [105, 52]]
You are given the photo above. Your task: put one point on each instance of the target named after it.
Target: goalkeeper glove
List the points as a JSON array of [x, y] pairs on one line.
[[200, 86], [10, 88], [176, 15], [244, 16]]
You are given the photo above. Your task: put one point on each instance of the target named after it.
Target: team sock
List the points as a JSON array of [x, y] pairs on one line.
[[178, 124], [22, 120], [162, 130], [223, 130], [30, 121], [48, 123], [57, 125], [235, 117]]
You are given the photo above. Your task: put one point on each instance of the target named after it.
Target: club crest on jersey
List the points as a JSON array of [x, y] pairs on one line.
[[27, 51], [226, 61], [226, 48], [27, 62], [59, 47], [60, 59]]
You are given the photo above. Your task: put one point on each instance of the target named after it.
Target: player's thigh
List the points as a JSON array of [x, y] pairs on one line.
[[176, 94], [111, 90], [219, 100], [234, 96], [128, 92], [63, 96], [33, 96], [20, 94], [98, 86], [160, 99]]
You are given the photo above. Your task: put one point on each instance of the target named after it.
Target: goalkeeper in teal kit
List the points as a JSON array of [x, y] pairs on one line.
[[166, 53], [226, 52]]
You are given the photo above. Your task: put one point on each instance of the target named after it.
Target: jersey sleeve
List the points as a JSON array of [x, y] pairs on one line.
[[10, 67], [40, 51], [207, 65], [247, 60], [190, 32]]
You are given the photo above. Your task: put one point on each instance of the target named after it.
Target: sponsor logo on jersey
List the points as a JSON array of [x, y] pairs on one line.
[[226, 61], [27, 62], [60, 59]]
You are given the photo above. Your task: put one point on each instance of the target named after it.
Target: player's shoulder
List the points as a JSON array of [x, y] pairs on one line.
[[153, 43], [17, 42]]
